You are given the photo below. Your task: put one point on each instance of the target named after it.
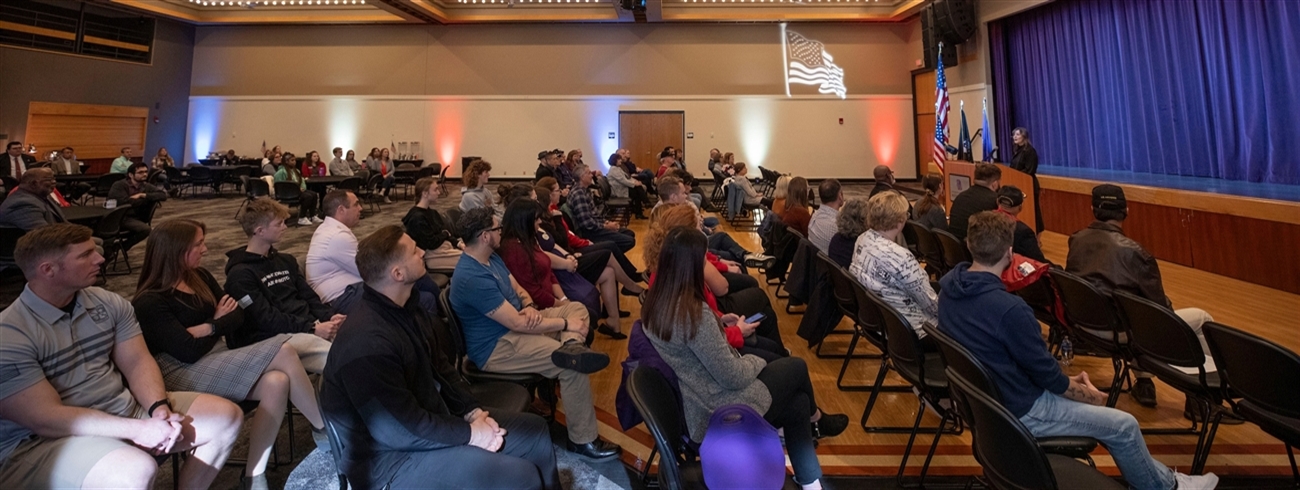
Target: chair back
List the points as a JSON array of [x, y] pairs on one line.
[[105, 183], [1156, 332], [841, 287], [1086, 306], [453, 218], [375, 181], [287, 191], [200, 174], [658, 404], [8, 242], [429, 170], [903, 347], [868, 315], [1010, 455], [256, 187], [1258, 370], [337, 446], [442, 174], [957, 360], [606, 191], [927, 246], [454, 326], [109, 227], [351, 184], [406, 166], [173, 173], [954, 250]]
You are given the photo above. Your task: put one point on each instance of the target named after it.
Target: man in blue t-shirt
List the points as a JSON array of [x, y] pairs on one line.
[[506, 333], [1000, 330]]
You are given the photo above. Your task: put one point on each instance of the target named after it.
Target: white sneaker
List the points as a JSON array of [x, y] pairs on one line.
[[1195, 482], [317, 220], [304, 222], [387, 200]]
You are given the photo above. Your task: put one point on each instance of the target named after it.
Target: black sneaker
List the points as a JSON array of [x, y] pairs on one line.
[[577, 357], [830, 425], [1192, 411], [609, 331], [1144, 391]]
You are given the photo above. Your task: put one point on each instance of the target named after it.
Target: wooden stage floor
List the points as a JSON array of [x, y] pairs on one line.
[[1238, 450]]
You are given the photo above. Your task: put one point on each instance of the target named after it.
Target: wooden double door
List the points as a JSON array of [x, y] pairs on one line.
[[646, 133]]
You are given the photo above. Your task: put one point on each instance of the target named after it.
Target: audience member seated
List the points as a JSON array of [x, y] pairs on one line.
[[383, 165], [229, 158], [546, 163], [779, 192], [1000, 330], [142, 196], [1010, 201], [884, 177], [184, 314], [82, 403], [358, 170], [548, 191], [158, 168], [688, 336], [726, 292], [288, 172], [431, 232], [313, 166], [851, 223], [890, 270], [822, 225], [331, 265], [122, 163], [598, 268], [17, 162], [272, 291], [505, 332], [564, 173], [338, 166], [31, 205], [65, 163], [1111, 261], [749, 196], [721, 244], [475, 194], [589, 225], [622, 185], [406, 414], [980, 197], [531, 267], [796, 214], [929, 208]]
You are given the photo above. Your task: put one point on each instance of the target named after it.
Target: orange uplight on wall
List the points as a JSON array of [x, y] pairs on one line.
[[883, 133], [448, 131]]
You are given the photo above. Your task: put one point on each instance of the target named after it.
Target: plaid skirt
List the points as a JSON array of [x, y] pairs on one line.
[[230, 374]]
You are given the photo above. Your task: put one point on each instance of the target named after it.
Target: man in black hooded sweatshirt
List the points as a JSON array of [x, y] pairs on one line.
[[273, 292]]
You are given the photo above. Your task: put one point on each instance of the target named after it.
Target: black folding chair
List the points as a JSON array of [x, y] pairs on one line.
[[103, 185], [253, 189], [659, 406], [870, 324], [532, 382], [954, 250], [289, 194], [1263, 374], [928, 249], [201, 176], [109, 230], [1092, 321], [847, 300], [1009, 454]]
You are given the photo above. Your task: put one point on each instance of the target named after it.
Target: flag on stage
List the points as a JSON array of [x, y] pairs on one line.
[[940, 113], [263, 147], [392, 149], [963, 139], [988, 138], [810, 64]]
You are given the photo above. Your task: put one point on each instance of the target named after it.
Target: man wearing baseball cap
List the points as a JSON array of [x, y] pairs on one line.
[[1010, 201], [1111, 261]]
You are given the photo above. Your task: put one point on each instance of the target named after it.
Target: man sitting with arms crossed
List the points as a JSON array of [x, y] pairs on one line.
[[275, 297], [585, 219], [408, 417], [82, 402], [1000, 330], [505, 333], [1111, 261]]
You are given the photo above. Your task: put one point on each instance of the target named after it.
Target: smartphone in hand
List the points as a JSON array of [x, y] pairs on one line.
[[758, 317]]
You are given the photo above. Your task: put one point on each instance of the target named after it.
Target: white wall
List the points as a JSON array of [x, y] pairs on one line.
[[800, 135]]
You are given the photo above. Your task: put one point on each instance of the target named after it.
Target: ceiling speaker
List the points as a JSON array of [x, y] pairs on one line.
[[955, 20]]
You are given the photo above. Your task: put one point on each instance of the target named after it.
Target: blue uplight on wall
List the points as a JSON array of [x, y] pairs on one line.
[[205, 122]]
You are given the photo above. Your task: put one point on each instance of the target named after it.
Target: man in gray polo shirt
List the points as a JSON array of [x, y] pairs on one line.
[[68, 353]]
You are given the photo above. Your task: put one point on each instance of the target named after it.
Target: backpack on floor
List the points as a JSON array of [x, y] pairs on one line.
[[741, 451]]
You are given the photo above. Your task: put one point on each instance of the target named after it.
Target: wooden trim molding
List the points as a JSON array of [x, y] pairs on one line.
[[1247, 207]]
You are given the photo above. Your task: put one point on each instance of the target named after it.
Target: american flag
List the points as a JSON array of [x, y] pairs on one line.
[[810, 64], [940, 113]]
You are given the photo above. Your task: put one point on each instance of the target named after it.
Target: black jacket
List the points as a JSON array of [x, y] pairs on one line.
[[164, 316], [6, 166], [283, 302], [974, 200], [1026, 243], [878, 188], [543, 170], [140, 208], [1025, 160], [389, 390], [426, 227]]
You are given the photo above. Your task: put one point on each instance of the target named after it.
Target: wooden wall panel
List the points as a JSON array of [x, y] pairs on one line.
[[1253, 250], [1161, 230], [1065, 212], [95, 131]]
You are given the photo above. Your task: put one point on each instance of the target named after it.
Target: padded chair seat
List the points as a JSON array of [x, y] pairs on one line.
[[1176, 378], [1071, 473], [476, 375], [499, 396], [1073, 447], [935, 377], [1285, 428]]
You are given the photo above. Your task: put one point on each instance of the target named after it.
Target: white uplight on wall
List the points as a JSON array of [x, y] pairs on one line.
[[343, 117], [808, 63], [755, 124]]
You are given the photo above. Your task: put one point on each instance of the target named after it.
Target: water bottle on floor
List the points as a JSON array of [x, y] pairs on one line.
[[1067, 351]]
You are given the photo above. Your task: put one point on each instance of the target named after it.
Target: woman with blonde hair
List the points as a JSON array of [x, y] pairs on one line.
[[890, 270], [184, 314], [779, 193]]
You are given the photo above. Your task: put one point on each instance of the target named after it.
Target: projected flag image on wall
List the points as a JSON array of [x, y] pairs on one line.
[[808, 63]]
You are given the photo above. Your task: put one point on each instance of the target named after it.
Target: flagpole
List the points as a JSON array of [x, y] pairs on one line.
[[785, 60]]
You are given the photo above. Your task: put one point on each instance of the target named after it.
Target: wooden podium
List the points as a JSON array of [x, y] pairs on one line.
[[959, 176]]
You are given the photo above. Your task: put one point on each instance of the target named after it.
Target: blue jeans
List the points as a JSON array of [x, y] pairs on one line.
[[1053, 415]]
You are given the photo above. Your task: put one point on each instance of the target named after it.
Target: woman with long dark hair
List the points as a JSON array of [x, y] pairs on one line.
[[929, 209], [796, 214], [548, 193], [689, 337], [183, 314], [1025, 159]]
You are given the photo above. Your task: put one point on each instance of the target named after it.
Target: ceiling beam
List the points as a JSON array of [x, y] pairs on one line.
[[415, 10]]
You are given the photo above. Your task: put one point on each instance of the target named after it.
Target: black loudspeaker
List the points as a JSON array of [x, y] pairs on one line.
[[954, 20], [931, 38]]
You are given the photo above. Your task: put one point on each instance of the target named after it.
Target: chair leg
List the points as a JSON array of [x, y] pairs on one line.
[[176, 470], [649, 461], [1208, 429], [907, 451], [1117, 384], [1295, 473], [877, 388], [934, 444], [848, 356]]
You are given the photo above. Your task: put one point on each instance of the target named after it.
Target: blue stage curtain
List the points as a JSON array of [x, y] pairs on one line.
[[1206, 88]]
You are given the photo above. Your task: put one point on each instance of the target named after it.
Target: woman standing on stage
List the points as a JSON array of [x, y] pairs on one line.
[[1025, 159]]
